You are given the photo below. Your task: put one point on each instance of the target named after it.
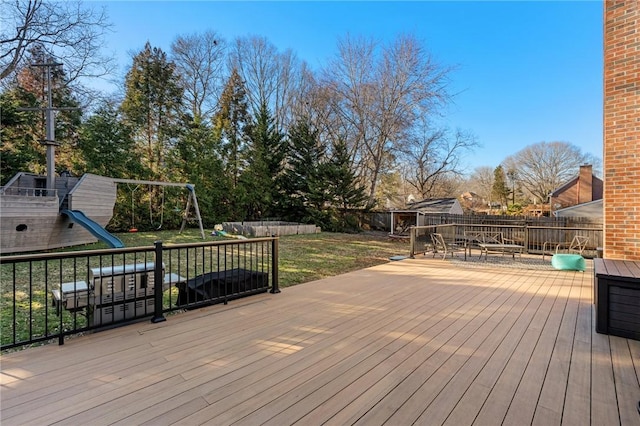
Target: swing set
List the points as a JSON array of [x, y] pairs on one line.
[[192, 199]]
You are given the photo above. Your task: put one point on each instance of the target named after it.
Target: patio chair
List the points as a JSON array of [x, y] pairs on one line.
[[576, 246], [440, 245]]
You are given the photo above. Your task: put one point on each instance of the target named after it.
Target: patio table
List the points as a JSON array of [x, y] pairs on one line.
[[485, 248]]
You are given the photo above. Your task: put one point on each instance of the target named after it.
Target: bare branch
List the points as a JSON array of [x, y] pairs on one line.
[[432, 157], [67, 31], [381, 91], [544, 166], [199, 61]]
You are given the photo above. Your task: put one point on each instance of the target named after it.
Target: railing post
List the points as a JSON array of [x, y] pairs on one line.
[[274, 265], [412, 242], [158, 278]]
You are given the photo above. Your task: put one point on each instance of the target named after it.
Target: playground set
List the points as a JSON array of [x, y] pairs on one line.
[[40, 212]]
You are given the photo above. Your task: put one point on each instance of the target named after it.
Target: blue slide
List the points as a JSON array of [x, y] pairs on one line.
[[96, 230]]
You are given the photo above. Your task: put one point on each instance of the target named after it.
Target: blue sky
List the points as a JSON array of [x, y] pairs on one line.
[[526, 72]]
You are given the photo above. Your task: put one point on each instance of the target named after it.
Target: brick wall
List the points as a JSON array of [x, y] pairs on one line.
[[622, 129]]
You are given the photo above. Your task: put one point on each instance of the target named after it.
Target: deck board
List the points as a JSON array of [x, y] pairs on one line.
[[578, 396], [485, 358], [469, 359], [501, 397], [550, 405], [478, 391], [604, 409], [422, 341]]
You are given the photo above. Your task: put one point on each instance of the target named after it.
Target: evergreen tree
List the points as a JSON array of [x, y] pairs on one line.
[[20, 149], [303, 185], [23, 131], [151, 107], [106, 147], [230, 124], [321, 189], [344, 191], [197, 156], [264, 156], [105, 144], [500, 189], [255, 196]]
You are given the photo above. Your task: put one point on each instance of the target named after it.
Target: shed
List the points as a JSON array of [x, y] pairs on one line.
[[414, 214], [437, 206]]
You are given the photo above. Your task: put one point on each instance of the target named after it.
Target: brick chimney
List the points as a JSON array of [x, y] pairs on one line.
[[585, 184]]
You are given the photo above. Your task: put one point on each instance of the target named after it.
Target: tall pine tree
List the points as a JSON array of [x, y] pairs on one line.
[[20, 149], [198, 158], [303, 187], [151, 107], [345, 193], [105, 144], [230, 124], [500, 190], [264, 157]]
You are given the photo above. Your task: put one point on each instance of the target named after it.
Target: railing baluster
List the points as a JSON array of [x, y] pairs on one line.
[[158, 278]]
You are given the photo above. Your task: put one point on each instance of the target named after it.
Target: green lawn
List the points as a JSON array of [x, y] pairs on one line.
[[303, 258]]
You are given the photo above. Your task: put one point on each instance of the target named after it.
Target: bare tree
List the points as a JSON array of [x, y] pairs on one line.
[[545, 166], [432, 159], [199, 60], [481, 182], [271, 78], [65, 30], [380, 92]]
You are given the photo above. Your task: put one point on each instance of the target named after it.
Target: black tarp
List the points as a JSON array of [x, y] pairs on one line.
[[215, 286]]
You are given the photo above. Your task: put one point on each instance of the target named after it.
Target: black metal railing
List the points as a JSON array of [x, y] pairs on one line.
[[53, 295], [534, 239]]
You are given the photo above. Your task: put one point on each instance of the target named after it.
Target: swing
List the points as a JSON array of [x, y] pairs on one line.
[[133, 216], [192, 201], [161, 209]]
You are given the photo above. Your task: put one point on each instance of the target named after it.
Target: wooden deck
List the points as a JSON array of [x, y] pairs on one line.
[[419, 341]]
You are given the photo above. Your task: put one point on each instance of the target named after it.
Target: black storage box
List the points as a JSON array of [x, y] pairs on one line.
[[617, 297]]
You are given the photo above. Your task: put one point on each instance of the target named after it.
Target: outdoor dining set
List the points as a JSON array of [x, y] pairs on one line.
[[492, 242]]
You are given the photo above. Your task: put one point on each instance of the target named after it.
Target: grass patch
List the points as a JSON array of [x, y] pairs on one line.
[[311, 257], [303, 258]]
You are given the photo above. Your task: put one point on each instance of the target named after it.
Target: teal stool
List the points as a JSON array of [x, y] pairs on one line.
[[568, 262]]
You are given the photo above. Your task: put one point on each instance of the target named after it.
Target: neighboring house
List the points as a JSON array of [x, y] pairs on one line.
[[414, 214], [471, 197], [471, 201], [584, 188]]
